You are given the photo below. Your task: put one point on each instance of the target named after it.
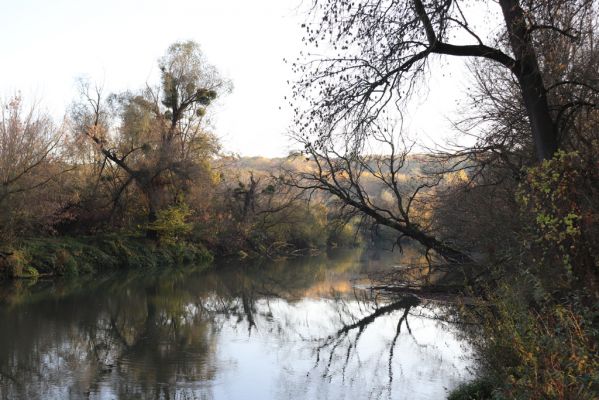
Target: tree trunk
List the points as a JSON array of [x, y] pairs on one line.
[[451, 255], [153, 207], [528, 73], [152, 233]]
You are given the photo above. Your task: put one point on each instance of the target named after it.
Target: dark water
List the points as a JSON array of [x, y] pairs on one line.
[[301, 329]]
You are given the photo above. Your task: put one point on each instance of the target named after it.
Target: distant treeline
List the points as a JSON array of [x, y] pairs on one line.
[[142, 167]]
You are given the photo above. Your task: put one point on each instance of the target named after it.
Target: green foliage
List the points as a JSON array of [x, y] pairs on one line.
[[126, 252], [71, 257], [65, 263], [171, 223], [479, 389], [186, 76], [560, 196], [182, 254], [66, 256]]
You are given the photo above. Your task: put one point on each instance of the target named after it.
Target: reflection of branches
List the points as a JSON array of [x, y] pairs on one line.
[[248, 309], [364, 322], [334, 341], [403, 318], [10, 377], [158, 332]]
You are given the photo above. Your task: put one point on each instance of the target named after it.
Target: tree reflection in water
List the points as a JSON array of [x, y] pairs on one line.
[[296, 329]]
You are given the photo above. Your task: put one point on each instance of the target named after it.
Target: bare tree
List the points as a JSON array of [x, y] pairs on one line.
[[28, 140], [30, 161], [383, 49], [348, 175], [479, 211]]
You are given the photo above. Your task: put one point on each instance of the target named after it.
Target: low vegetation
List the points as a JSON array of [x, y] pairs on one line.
[[70, 256], [138, 170]]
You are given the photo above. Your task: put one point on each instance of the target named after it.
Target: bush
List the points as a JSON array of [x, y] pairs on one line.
[[68, 256], [560, 198], [171, 223], [479, 389], [14, 265], [539, 334], [544, 352]]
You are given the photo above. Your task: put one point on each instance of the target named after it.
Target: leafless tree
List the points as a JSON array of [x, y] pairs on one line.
[[28, 140], [348, 175], [30, 163], [383, 49]]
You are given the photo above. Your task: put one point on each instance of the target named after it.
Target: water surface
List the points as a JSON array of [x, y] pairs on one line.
[[299, 329]]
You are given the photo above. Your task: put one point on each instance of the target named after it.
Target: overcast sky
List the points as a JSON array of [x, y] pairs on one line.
[[47, 45]]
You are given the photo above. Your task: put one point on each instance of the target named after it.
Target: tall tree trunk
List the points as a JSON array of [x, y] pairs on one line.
[[153, 207], [152, 233], [450, 254], [528, 73]]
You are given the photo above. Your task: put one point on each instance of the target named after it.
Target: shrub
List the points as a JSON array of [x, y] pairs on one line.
[[14, 264], [68, 256], [544, 352], [479, 389], [171, 223], [560, 198]]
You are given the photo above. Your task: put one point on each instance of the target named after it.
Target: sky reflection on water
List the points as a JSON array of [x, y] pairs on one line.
[[289, 330]]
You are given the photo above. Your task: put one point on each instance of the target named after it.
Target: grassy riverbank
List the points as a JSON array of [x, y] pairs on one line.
[[70, 256]]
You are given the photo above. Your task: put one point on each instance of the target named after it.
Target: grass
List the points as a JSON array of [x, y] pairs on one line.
[[73, 256]]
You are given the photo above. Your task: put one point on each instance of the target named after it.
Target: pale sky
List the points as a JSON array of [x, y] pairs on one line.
[[46, 45]]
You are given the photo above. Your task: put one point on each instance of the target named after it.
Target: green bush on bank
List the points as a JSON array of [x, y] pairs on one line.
[[479, 389], [172, 224], [69, 256], [539, 334], [559, 199], [546, 351]]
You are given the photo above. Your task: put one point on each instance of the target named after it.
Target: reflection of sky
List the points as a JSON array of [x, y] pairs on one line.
[[198, 343], [278, 359]]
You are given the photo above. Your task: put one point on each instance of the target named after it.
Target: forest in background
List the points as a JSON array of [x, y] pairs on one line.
[[511, 220], [142, 168]]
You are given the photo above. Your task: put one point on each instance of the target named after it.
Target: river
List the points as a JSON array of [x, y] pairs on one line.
[[306, 328]]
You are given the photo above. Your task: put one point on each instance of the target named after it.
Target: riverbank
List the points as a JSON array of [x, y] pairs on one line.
[[527, 348], [70, 256]]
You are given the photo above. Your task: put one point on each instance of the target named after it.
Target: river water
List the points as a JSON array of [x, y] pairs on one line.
[[301, 329]]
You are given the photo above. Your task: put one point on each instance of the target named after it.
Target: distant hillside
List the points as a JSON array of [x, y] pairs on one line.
[[240, 168], [258, 165]]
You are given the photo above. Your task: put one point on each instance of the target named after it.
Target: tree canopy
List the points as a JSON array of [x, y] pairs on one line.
[[382, 49]]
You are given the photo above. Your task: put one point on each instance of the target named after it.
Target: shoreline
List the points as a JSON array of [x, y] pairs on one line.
[[66, 256]]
